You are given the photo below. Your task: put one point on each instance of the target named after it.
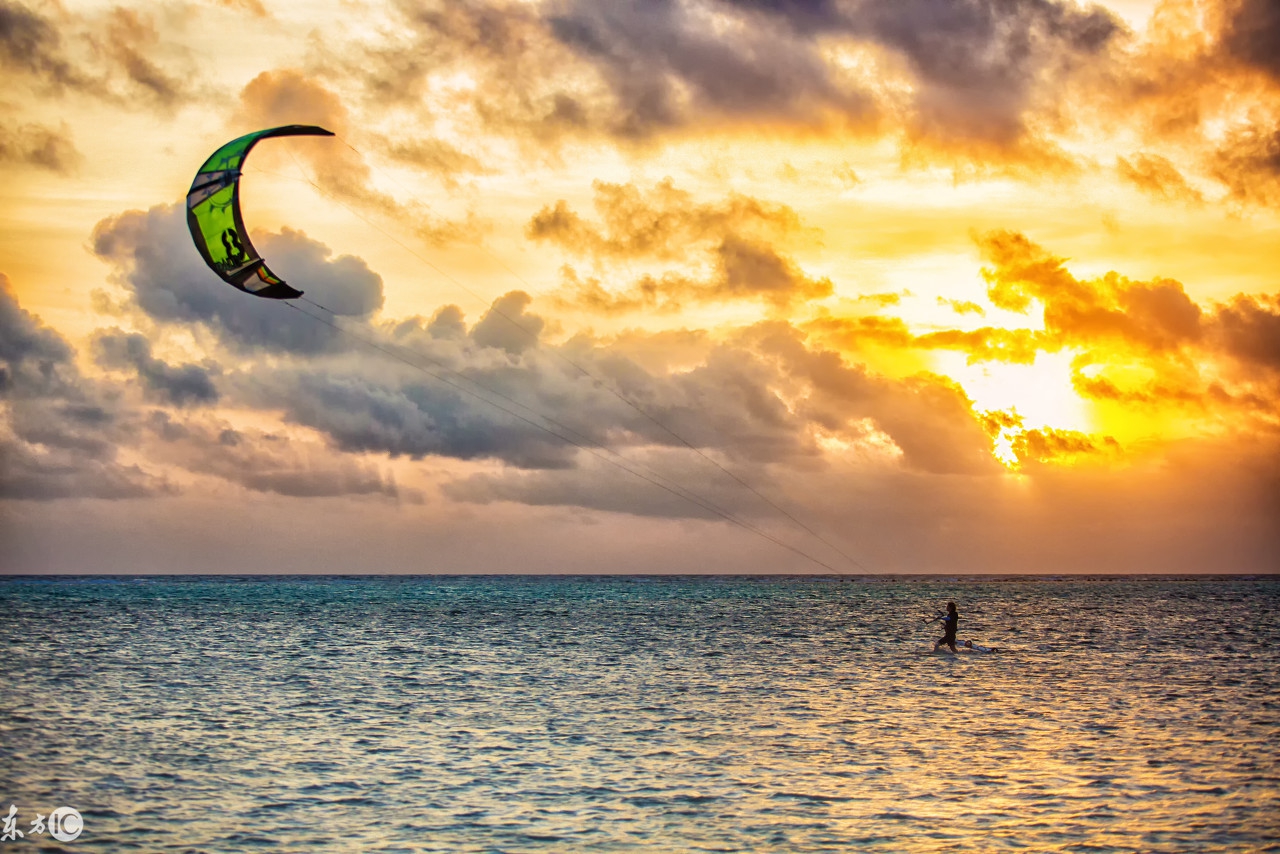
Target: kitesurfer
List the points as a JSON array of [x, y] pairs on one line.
[[949, 624]]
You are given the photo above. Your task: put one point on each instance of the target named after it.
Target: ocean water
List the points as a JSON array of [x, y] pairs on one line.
[[514, 714]]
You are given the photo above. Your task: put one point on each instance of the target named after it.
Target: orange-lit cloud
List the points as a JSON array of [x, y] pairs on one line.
[[695, 236], [662, 222]]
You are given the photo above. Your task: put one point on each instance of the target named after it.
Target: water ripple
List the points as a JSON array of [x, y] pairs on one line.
[[642, 714]]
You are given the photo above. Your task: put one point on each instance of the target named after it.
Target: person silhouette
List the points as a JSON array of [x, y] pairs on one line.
[[949, 625]]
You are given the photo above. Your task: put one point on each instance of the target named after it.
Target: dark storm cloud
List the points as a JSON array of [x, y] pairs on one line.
[[976, 63], [976, 69], [755, 402], [58, 432], [32, 356], [666, 63], [152, 257], [983, 65], [180, 385], [409, 415], [30, 475], [1252, 34]]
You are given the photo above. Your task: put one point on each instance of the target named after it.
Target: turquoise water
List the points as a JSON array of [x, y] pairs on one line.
[[642, 714]]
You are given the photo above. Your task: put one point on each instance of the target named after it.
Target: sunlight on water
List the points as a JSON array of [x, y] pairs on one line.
[[624, 714]]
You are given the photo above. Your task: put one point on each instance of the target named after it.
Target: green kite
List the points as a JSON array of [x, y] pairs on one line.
[[213, 215]]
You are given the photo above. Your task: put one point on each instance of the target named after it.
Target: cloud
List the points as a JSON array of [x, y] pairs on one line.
[[262, 461], [507, 326], [30, 473], [36, 145], [927, 417], [1140, 342], [32, 356], [981, 67], [598, 485], [752, 270], [406, 414], [180, 385], [131, 42], [61, 434], [1248, 163], [981, 74], [1015, 346], [1248, 328], [763, 397], [1203, 85], [662, 222], [1156, 176], [1156, 315], [852, 334], [1049, 445], [975, 66], [665, 223], [253, 7], [290, 96], [30, 44], [742, 270], [1252, 35], [58, 432], [962, 306], [666, 63], [152, 257], [117, 54], [435, 156]]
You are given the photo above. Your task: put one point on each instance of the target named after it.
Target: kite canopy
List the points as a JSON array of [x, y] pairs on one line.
[[213, 215]]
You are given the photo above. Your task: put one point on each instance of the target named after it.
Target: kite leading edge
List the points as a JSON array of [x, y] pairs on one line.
[[213, 215]]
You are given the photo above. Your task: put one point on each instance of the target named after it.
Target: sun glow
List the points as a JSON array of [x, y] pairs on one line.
[[1040, 392]]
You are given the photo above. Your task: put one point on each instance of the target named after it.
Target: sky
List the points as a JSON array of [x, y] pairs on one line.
[[592, 286]]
